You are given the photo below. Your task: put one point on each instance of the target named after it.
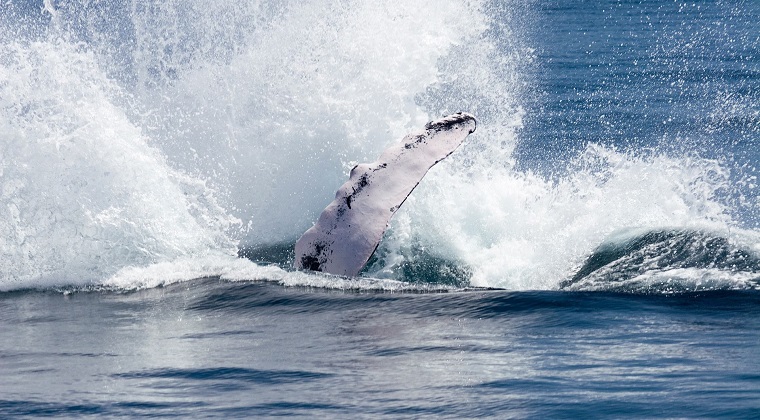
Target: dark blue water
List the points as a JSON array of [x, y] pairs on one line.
[[212, 348], [656, 323], [678, 75]]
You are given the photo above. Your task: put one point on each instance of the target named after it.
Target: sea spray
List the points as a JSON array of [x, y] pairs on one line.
[[521, 231], [141, 133], [83, 192], [129, 127], [280, 116]]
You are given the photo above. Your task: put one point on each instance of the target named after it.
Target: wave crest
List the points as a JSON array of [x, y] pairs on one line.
[[668, 261]]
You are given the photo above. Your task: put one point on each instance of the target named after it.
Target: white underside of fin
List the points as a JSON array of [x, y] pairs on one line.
[[350, 228]]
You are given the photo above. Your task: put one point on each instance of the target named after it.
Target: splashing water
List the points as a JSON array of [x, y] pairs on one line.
[[84, 193], [148, 138], [520, 231]]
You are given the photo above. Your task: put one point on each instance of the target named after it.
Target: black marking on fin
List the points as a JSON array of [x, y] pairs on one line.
[[311, 262]]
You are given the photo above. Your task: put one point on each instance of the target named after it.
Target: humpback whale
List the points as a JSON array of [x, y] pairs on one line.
[[350, 228]]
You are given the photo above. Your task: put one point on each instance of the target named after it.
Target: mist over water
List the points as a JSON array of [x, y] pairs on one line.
[[166, 134]]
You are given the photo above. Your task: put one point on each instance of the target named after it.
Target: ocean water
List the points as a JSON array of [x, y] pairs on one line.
[[592, 250]]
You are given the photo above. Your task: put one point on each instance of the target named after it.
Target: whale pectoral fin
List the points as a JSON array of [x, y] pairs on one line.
[[350, 228]]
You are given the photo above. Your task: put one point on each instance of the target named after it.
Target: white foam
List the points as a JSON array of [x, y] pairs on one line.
[[299, 98], [519, 231], [677, 280], [237, 269], [84, 194]]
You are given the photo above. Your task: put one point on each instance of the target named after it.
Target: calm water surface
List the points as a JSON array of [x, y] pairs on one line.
[[213, 348]]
